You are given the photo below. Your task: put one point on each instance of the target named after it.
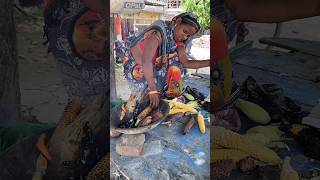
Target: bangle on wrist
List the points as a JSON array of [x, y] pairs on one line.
[[153, 92], [179, 43]]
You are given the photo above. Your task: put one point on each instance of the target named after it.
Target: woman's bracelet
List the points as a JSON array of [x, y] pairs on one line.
[[179, 43], [153, 92]]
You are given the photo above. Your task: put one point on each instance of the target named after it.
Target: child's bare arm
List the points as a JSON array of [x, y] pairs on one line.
[[273, 11], [191, 64]]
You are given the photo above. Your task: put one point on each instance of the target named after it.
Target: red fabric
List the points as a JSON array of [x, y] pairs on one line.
[[118, 25], [179, 43], [142, 45], [219, 46]]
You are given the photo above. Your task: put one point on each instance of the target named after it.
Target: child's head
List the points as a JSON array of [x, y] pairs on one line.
[[186, 26]]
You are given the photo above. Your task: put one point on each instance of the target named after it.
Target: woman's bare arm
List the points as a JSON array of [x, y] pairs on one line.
[[151, 45], [191, 64]]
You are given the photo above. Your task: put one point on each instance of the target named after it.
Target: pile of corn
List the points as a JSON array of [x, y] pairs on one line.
[[230, 145], [179, 107], [101, 170]]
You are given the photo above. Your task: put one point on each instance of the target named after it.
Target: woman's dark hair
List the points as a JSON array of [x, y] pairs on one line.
[[188, 18]]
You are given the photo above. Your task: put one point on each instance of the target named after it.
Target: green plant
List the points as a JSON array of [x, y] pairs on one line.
[[200, 8]]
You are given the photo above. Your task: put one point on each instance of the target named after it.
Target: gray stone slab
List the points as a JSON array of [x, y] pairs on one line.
[[300, 45], [290, 64]]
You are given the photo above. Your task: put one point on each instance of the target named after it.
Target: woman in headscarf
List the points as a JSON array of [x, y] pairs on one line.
[[157, 56], [77, 37]]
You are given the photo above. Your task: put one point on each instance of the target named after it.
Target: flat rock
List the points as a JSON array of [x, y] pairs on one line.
[[152, 148], [130, 145]]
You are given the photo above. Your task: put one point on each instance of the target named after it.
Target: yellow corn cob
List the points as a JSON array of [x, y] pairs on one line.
[[201, 124], [193, 104], [288, 173], [258, 138], [179, 105], [253, 111], [143, 114], [224, 154], [101, 170], [272, 132], [176, 111], [42, 146], [179, 110], [71, 111], [41, 167], [232, 140]]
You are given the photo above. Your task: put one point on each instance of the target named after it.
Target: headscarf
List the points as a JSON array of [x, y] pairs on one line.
[[188, 18]]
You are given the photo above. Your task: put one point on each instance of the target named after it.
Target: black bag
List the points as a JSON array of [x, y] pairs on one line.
[[271, 98]]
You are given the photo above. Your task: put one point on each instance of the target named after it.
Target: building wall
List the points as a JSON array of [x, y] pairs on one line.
[[141, 20], [174, 4]]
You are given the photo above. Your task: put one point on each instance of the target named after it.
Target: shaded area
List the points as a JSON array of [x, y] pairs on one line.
[[296, 73]]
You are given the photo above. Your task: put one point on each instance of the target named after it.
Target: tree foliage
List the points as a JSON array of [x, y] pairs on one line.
[[200, 8]]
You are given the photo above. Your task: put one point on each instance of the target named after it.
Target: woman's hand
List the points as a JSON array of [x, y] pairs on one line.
[[154, 100], [153, 95], [147, 65]]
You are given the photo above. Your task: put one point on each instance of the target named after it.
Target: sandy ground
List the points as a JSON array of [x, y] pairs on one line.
[[42, 92], [43, 95]]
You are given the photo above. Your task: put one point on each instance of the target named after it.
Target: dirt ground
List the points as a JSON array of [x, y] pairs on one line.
[[43, 95]]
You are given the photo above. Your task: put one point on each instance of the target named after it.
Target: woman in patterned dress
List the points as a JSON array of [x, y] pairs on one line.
[[157, 56], [75, 31]]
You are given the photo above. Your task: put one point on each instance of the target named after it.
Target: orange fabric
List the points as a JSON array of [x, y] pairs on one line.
[[174, 74], [219, 47], [174, 81]]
